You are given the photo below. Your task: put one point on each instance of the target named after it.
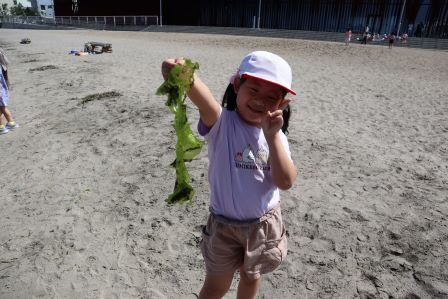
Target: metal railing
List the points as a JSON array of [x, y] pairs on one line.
[[25, 20], [83, 20], [108, 20]]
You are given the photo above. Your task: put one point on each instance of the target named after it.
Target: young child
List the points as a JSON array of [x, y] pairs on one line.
[[249, 162], [4, 96]]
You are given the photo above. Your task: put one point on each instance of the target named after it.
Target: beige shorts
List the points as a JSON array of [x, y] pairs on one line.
[[256, 247]]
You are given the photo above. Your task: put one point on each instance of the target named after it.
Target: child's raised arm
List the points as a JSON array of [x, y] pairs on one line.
[[199, 94], [283, 171]]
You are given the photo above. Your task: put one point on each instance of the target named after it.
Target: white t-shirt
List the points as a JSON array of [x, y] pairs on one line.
[[239, 174]]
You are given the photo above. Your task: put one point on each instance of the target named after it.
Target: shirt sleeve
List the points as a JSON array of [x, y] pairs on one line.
[[203, 130]]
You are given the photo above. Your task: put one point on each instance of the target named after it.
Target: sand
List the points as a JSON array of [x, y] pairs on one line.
[[83, 183]]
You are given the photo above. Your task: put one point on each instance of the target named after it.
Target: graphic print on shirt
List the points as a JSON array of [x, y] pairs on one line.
[[246, 159]]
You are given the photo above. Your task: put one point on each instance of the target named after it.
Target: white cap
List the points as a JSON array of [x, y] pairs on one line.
[[268, 67]]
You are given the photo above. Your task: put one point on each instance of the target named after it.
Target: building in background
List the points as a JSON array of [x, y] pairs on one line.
[[44, 7], [430, 17], [175, 12]]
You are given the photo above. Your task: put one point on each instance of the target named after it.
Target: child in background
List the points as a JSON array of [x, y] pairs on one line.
[[391, 40], [4, 97], [348, 36], [250, 161]]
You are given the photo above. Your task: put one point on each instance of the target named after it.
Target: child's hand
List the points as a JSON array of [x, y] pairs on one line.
[[168, 64], [273, 122]]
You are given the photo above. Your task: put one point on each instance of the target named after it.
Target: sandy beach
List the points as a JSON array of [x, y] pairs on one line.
[[85, 177]]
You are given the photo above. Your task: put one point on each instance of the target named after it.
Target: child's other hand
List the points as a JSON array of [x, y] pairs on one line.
[[273, 122], [168, 64]]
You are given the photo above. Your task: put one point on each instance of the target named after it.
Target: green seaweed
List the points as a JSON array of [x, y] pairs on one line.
[[188, 145]]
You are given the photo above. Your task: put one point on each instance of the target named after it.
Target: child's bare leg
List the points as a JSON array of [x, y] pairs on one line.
[[247, 288], [5, 111], [216, 285]]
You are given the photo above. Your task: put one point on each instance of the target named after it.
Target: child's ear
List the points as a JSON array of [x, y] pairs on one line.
[[236, 84]]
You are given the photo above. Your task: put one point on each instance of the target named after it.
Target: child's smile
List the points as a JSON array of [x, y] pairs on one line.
[[256, 98]]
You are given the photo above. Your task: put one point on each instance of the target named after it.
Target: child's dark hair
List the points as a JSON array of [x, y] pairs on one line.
[[229, 102]]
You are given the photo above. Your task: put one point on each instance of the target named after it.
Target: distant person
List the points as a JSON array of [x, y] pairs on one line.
[[404, 38], [376, 37], [4, 97], [391, 40], [364, 38], [348, 36], [249, 162]]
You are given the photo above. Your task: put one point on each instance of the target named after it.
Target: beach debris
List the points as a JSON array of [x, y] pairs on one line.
[[30, 60], [43, 68], [74, 52], [99, 96], [25, 40], [188, 145], [79, 53], [97, 47]]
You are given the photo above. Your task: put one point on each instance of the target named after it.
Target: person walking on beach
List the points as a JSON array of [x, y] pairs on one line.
[[366, 35], [250, 161], [348, 36], [4, 97], [391, 40]]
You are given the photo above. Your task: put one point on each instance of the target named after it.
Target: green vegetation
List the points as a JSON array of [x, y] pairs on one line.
[[17, 10], [188, 145]]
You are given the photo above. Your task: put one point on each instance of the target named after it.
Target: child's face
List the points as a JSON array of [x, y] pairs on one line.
[[255, 98]]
